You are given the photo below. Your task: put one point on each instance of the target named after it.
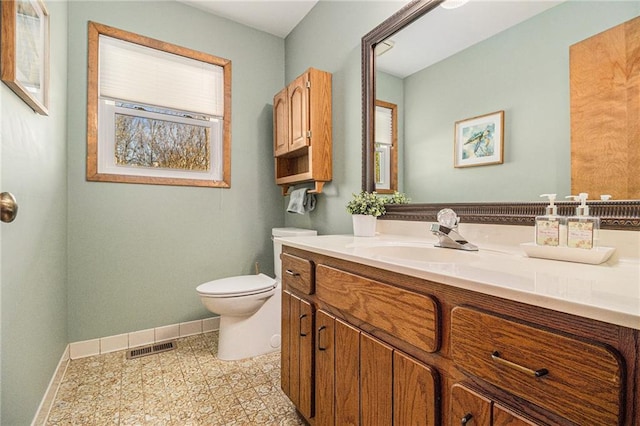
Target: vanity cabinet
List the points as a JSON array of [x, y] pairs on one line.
[[302, 131], [393, 349]]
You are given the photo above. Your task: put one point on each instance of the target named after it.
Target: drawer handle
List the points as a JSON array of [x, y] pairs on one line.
[[535, 373], [290, 272], [320, 348], [301, 318], [466, 419]]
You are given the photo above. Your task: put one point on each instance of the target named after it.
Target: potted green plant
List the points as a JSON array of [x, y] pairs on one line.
[[398, 198], [365, 207]]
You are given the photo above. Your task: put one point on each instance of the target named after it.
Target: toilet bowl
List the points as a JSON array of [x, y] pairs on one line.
[[249, 307]]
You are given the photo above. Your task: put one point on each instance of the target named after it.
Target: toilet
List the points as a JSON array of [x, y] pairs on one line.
[[249, 307]]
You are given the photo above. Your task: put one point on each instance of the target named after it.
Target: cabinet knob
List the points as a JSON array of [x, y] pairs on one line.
[[466, 419]]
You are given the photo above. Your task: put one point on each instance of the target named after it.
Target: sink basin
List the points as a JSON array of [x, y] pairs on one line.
[[487, 264], [427, 254]]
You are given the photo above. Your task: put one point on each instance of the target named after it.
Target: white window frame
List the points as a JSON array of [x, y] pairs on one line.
[[101, 112], [386, 147], [107, 110]]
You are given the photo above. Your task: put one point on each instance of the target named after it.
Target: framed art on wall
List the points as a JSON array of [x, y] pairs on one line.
[[24, 65], [479, 141]]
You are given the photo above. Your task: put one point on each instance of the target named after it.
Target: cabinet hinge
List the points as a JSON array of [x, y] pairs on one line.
[[309, 133], [308, 83]]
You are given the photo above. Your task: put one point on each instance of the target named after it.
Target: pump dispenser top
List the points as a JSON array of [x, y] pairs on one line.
[[551, 229], [551, 209], [582, 228], [583, 208]]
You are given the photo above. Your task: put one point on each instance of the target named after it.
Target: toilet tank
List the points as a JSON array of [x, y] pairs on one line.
[[277, 245]]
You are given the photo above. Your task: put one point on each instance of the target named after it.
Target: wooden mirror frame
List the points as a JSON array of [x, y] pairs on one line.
[[623, 215]]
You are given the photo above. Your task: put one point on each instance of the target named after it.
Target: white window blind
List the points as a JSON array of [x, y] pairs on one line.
[[383, 126], [135, 73]]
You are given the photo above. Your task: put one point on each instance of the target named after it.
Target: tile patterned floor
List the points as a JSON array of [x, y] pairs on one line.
[[185, 386]]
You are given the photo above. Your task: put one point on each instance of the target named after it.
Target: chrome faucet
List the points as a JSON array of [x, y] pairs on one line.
[[447, 232]]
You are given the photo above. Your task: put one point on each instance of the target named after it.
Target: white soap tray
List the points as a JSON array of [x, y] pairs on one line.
[[594, 256]]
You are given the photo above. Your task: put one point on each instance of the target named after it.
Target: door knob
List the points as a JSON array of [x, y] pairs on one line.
[[8, 207]]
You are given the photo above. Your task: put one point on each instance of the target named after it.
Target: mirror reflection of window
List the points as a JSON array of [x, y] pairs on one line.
[[386, 150]]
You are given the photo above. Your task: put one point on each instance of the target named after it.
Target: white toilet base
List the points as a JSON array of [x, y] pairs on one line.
[[258, 334]]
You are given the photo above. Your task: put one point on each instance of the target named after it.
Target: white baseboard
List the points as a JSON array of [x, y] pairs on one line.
[[117, 343], [49, 396], [134, 339]]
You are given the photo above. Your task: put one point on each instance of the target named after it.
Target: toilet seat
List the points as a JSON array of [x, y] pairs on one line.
[[243, 285]]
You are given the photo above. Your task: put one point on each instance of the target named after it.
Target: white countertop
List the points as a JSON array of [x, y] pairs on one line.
[[609, 292]]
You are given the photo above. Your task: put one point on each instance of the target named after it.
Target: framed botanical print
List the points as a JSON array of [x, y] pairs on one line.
[[479, 141]]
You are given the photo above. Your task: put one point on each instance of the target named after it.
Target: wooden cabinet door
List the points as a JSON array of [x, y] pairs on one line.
[[285, 347], [298, 99], [469, 407], [307, 373], [297, 367], [280, 123], [376, 382], [502, 416], [325, 369], [347, 374], [415, 392], [294, 350]]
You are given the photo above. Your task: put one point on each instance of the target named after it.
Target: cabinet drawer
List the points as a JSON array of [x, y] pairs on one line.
[[409, 316], [578, 380], [297, 273]]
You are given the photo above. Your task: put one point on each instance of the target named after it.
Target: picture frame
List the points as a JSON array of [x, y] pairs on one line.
[[24, 56], [479, 141]]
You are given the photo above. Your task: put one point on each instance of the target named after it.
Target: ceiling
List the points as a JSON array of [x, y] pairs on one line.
[[277, 17], [441, 33], [444, 32]]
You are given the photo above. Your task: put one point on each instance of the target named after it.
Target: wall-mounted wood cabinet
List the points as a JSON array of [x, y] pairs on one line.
[[302, 131]]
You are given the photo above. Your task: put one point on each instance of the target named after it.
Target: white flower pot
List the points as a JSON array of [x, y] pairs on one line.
[[364, 225]]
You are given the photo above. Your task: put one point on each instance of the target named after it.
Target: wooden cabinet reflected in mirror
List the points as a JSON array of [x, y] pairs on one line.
[[605, 106]]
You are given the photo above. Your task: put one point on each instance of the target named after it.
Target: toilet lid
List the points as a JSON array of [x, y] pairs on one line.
[[242, 285]]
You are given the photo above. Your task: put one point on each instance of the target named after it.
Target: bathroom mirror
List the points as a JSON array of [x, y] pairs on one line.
[[486, 194]]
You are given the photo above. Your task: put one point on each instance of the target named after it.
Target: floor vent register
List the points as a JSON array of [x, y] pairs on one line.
[[151, 349]]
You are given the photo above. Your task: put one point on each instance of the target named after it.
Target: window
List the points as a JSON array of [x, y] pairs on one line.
[[386, 149], [156, 113]]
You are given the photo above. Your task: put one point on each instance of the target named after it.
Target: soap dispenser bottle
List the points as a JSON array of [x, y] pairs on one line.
[[582, 229], [550, 228]]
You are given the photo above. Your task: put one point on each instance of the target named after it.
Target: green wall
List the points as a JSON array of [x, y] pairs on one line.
[[34, 246], [137, 252]]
